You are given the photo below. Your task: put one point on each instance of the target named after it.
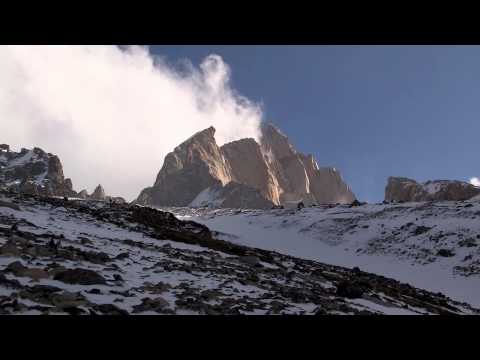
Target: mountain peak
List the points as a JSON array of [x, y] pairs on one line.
[[273, 168], [98, 193]]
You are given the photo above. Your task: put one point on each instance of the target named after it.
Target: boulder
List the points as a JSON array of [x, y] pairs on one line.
[[80, 276]]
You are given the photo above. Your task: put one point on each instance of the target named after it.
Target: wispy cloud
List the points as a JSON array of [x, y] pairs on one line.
[[475, 181], [113, 113]]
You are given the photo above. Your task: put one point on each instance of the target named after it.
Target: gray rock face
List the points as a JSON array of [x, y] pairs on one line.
[[98, 193], [33, 172], [402, 189], [243, 173], [83, 194]]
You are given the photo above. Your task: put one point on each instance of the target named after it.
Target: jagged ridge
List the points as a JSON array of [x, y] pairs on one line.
[[272, 168]]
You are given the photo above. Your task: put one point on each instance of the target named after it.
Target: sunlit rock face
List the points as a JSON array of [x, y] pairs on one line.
[[272, 172], [401, 189], [193, 166], [298, 175]]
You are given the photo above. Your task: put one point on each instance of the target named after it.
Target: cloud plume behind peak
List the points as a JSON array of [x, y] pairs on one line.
[[475, 181], [111, 113]]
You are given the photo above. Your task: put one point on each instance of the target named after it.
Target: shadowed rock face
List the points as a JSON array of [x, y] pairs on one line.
[[408, 190], [272, 172], [33, 172], [232, 195]]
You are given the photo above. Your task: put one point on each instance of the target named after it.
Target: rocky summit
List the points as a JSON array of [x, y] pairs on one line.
[[243, 173], [34, 172], [401, 189], [82, 257]]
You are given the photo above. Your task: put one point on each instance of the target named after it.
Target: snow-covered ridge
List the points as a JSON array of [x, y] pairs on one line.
[[31, 165], [401, 189], [33, 171], [271, 173]]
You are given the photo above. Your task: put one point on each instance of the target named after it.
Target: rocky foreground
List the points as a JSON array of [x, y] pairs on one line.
[[86, 257]]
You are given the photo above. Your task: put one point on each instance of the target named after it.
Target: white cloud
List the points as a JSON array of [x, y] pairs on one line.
[[475, 181], [112, 114]]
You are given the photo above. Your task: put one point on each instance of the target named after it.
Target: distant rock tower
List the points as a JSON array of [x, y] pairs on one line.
[[98, 194]]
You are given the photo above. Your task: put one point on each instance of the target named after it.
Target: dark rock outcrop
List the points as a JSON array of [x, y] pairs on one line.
[[80, 276], [33, 172]]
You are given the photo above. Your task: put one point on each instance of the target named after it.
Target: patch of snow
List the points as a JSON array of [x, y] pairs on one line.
[[22, 160], [207, 197], [432, 187]]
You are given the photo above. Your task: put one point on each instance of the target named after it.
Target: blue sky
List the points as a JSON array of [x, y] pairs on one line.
[[370, 111]]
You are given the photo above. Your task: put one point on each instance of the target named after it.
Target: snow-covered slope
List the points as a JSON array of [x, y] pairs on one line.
[[435, 246], [79, 257]]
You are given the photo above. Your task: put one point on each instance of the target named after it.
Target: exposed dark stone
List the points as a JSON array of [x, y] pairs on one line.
[[350, 290], [421, 230], [355, 203], [80, 276], [109, 309], [445, 253], [148, 304], [122, 256], [470, 242], [94, 291]]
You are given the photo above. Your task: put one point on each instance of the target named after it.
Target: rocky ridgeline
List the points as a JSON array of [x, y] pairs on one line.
[[243, 174], [99, 195], [401, 189], [37, 172], [33, 172], [78, 257]]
